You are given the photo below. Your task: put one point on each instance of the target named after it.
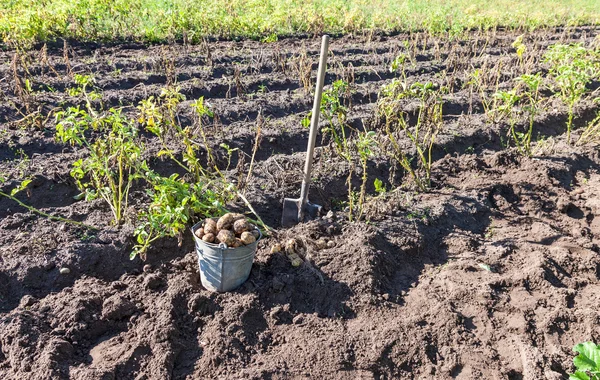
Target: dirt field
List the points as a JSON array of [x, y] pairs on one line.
[[494, 274]]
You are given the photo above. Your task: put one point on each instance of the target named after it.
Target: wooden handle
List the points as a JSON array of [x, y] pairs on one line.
[[314, 125]]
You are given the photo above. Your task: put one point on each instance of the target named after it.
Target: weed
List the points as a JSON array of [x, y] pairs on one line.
[[399, 63], [159, 116], [532, 107], [229, 151], [84, 82]]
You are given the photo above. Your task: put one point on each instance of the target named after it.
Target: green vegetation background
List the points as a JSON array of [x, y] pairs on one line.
[[25, 21]]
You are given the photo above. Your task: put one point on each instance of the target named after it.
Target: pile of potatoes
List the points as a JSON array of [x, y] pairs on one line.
[[231, 229]]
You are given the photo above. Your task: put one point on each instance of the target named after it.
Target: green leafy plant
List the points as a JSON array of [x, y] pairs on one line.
[[174, 204], [572, 68], [520, 47], [422, 134], [531, 94], [84, 83], [159, 116], [365, 144], [587, 362], [398, 65], [335, 112], [114, 160], [379, 187]]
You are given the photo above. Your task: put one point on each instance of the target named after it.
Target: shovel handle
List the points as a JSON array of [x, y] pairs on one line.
[[314, 125]]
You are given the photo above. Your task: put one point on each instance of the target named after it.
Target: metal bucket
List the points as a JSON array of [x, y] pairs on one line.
[[222, 268]]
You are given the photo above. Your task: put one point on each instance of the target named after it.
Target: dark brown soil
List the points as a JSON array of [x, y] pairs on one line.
[[494, 274]]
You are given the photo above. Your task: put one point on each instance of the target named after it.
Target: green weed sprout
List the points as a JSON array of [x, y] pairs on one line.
[[587, 362], [114, 161]]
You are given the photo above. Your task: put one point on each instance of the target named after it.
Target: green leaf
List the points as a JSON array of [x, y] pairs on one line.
[[578, 375], [588, 358], [21, 186]]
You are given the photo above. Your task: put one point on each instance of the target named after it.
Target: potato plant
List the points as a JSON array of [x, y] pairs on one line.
[[422, 134], [114, 161], [587, 362], [572, 68], [335, 112], [174, 203]]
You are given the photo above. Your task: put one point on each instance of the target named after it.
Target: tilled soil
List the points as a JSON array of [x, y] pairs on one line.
[[493, 274]]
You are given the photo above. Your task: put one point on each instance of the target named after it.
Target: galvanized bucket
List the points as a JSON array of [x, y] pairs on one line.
[[222, 268]]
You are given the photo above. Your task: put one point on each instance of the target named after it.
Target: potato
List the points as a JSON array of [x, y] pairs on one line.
[[199, 233], [210, 227], [225, 222], [321, 243], [295, 246], [247, 238], [237, 216], [209, 238], [238, 243], [240, 226], [256, 233], [276, 248], [226, 237]]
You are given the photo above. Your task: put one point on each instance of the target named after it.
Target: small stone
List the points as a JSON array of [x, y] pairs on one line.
[[147, 268], [330, 244], [64, 270], [330, 214], [386, 296]]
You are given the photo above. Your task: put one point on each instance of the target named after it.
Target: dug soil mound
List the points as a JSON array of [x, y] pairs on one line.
[[492, 274]]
